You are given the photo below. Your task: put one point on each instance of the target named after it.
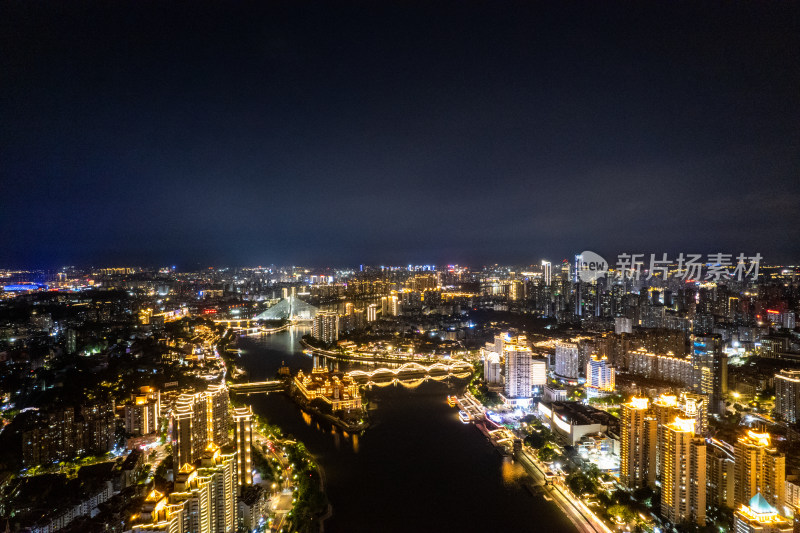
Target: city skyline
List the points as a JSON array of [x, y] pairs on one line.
[[278, 266]]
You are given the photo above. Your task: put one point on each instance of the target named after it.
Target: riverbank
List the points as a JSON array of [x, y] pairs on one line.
[[572, 508], [415, 445]]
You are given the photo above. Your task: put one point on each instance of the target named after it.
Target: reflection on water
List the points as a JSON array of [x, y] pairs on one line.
[[417, 465], [511, 472]]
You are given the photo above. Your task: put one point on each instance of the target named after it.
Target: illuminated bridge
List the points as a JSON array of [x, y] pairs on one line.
[[411, 374], [257, 386], [250, 326]]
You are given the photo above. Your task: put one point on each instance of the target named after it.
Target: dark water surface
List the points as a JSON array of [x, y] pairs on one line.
[[417, 468]]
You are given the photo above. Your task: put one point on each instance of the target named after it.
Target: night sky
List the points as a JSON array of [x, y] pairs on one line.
[[328, 133]]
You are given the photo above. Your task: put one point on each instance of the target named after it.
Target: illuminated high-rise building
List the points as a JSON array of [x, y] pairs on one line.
[[567, 360], [547, 272], [759, 469], [683, 486], [515, 290], [326, 327], [372, 312], [141, 415], [518, 367], [664, 410], [491, 368], [694, 406], [710, 367], [217, 420], [538, 373], [243, 436], [623, 325], [787, 394], [189, 428], [639, 433], [600, 374], [204, 498], [220, 470], [158, 515], [195, 493], [394, 305], [720, 476]]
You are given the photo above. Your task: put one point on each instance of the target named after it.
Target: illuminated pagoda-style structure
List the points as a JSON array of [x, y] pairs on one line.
[[758, 516], [335, 388]]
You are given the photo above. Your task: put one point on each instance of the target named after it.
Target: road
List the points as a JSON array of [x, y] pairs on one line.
[[580, 515]]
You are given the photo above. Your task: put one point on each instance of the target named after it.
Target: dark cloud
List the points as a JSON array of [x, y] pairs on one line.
[[396, 132]]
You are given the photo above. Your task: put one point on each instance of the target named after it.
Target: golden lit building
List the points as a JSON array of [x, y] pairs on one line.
[[195, 493], [758, 516], [198, 419], [189, 429], [335, 388], [243, 436], [220, 470], [683, 485], [217, 424], [695, 406], [158, 515], [141, 415], [326, 327], [759, 469], [639, 433], [664, 410], [600, 374], [204, 499]]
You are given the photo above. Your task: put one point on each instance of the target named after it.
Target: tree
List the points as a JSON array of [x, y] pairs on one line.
[[546, 453], [621, 513]]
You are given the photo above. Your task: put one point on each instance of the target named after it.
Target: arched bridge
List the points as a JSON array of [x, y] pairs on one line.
[[411, 374], [415, 368]]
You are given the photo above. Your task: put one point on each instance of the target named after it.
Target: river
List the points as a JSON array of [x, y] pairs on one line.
[[417, 468]]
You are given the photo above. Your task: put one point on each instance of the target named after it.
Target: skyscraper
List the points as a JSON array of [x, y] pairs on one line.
[[194, 492], [664, 409], [394, 305], [721, 476], [547, 272], [538, 373], [220, 470], [243, 430], [710, 366], [683, 487], [518, 369], [372, 312], [759, 469], [491, 368], [567, 360], [141, 415], [787, 394], [600, 374], [326, 327], [158, 515], [639, 433], [694, 406], [189, 429], [217, 414]]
